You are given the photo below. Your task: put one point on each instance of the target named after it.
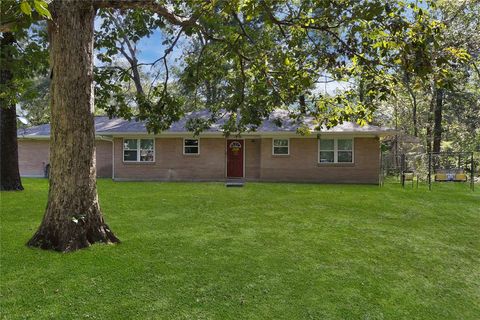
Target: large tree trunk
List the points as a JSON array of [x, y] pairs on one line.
[[73, 219], [9, 174], [437, 127]]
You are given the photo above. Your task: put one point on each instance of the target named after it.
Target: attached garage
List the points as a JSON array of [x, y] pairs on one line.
[[33, 157]]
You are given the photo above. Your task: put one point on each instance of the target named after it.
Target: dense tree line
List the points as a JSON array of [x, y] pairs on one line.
[[443, 111]]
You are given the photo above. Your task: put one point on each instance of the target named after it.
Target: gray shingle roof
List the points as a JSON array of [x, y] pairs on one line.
[[106, 126]]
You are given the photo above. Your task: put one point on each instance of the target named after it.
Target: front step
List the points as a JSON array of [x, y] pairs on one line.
[[234, 183]]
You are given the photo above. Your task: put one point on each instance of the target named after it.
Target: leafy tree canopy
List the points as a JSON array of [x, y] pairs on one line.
[[25, 56], [241, 59], [453, 61]]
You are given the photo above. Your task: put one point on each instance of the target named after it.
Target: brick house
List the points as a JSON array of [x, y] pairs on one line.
[[347, 153]]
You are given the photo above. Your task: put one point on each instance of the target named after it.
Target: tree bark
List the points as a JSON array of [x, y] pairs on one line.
[[433, 88], [414, 108], [438, 117], [414, 116], [73, 219], [9, 173]]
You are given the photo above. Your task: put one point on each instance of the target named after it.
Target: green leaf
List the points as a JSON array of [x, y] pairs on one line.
[[42, 8], [25, 7]]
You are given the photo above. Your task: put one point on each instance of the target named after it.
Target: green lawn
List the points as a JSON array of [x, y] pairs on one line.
[[265, 251]]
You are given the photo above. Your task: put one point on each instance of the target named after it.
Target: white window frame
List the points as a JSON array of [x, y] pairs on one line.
[[335, 150], [191, 154], [282, 154], [138, 150]]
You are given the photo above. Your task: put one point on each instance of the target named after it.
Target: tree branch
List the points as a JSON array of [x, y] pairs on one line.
[[19, 20], [476, 69], [150, 5], [132, 59], [235, 16]]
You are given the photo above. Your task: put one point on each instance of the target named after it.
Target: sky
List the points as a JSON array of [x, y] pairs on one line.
[[151, 48]]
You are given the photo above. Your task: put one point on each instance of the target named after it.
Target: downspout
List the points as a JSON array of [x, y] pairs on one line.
[[113, 153]]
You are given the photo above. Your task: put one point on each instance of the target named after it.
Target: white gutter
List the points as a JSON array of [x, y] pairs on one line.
[[292, 134], [265, 134], [311, 134], [27, 137], [221, 134]]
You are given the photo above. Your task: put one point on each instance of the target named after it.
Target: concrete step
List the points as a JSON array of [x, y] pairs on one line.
[[234, 183]]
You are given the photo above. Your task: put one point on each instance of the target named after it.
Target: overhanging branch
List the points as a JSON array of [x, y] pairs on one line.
[[150, 5]]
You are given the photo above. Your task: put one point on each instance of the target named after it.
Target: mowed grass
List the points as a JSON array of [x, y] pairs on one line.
[[265, 251]]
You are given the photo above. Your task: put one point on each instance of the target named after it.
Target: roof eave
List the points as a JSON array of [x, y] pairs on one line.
[[102, 135], [33, 137]]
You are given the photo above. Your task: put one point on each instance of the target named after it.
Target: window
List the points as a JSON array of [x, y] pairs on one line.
[[280, 147], [138, 150], [344, 150], [335, 151], [191, 146], [130, 151], [327, 150]]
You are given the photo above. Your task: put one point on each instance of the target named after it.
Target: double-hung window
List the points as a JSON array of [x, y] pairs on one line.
[[345, 150], [138, 150], [281, 147], [191, 146], [335, 151]]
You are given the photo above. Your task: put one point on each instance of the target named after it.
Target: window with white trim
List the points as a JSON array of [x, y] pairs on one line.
[[335, 151], [191, 146], [138, 150], [280, 147]]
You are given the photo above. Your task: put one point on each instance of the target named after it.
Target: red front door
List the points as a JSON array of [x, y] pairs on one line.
[[234, 158]]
